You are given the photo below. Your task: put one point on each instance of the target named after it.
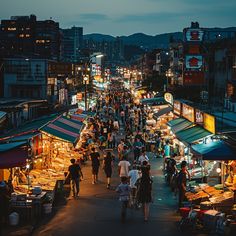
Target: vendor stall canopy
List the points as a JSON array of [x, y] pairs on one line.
[[154, 101], [162, 112], [13, 154], [179, 124], [218, 150], [64, 128], [192, 134]]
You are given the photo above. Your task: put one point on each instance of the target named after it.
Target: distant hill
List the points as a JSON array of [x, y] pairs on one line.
[[140, 39]]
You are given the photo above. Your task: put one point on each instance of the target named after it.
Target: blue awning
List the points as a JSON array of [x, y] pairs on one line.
[[4, 147], [218, 150]]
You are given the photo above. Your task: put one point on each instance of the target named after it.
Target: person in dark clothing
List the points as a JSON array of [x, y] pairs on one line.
[[171, 169], [75, 173], [144, 192], [4, 204], [107, 166], [182, 182], [94, 157]]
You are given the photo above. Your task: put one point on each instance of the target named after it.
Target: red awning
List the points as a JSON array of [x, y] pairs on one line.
[[14, 157]]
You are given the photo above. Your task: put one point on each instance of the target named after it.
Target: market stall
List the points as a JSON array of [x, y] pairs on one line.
[[16, 156]]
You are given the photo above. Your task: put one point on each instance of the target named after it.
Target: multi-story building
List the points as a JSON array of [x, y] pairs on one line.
[[25, 36], [162, 62], [174, 73], [47, 40], [39, 79], [221, 73], [72, 43], [114, 49], [17, 35]]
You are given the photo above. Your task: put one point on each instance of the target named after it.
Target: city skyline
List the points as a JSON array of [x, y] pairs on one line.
[[126, 16]]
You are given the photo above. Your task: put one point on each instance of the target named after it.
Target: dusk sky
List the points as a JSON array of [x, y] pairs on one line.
[[125, 17]]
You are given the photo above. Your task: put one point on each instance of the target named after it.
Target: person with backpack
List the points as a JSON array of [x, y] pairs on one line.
[[75, 173], [124, 191], [182, 182]]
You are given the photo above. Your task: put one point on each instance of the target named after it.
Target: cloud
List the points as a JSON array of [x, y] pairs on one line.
[[93, 16], [85, 19], [150, 17]]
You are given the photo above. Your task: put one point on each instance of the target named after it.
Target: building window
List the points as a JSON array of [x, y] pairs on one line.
[[40, 41], [11, 28]]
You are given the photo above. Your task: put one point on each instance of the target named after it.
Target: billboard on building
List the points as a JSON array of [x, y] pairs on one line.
[[194, 35], [193, 62]]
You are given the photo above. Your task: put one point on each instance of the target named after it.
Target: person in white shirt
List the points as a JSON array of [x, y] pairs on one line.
[[123, 167], [143, 157], [134, 175]]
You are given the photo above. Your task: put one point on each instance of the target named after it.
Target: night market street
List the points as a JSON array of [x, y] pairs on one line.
[[117, 118], [97, 211]]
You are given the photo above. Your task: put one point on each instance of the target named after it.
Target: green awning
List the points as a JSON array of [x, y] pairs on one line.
[[181, 126], [175, 121], [154, 101], [191, 135]]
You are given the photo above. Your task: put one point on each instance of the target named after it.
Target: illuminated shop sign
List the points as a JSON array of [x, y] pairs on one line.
[[177, 107], [198, 117], [209, 123], [193, 61], [169, 98], [188, 112], [194, 35]]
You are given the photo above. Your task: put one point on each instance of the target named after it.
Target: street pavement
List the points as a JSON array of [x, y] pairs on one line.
[[97, 211]]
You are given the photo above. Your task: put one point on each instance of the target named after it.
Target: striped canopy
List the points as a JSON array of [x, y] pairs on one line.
[[64, 128]]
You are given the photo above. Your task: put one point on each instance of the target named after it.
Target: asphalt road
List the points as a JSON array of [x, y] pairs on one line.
[[97, 211]]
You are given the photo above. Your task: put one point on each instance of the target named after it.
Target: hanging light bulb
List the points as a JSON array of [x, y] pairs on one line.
[[218, 170]]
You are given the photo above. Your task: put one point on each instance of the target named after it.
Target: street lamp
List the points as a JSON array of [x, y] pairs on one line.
[[85, 80], [168, 75]]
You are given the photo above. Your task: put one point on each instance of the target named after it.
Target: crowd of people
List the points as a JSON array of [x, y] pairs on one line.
[[119, 128]]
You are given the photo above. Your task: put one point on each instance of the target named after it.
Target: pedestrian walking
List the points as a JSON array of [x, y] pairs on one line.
[[144, 193], [137, 148], [143, 157], [120, 149], [134, 175], [123, 167], [124, 194], [94, 157], [107, 166], [74, 173]]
